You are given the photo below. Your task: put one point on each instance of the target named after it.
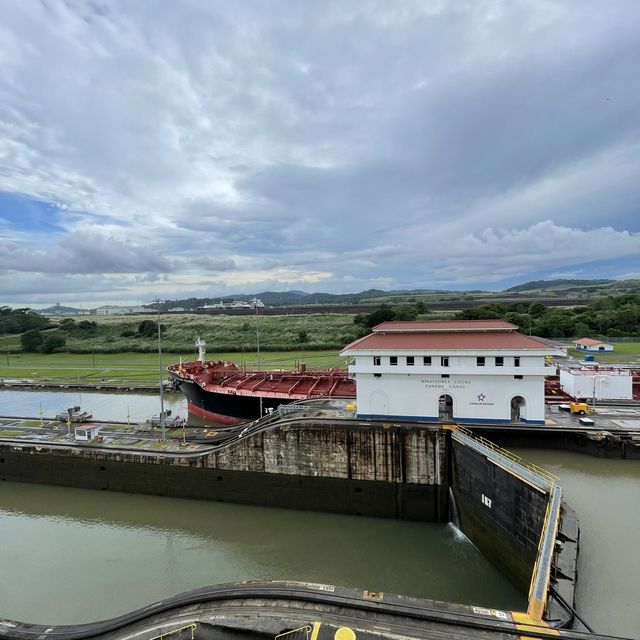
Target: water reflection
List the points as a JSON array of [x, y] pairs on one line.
[[118, 407], [86, 555]]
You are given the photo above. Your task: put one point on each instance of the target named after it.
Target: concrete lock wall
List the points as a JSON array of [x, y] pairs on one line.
[[374, 471], [499, 512]]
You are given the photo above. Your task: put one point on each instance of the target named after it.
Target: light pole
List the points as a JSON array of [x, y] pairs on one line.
[[258, 351], [596, 380], [257, 340], [162, 426]]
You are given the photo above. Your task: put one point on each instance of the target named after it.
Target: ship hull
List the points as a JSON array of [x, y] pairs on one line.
[[226, 408]]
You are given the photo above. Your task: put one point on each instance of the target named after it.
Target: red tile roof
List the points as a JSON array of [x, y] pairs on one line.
[[503, 337], [434, 326], [588, 341]]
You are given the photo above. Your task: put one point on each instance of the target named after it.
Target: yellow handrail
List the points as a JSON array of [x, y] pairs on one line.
[[305, 632], [191, 626], [547, 476]]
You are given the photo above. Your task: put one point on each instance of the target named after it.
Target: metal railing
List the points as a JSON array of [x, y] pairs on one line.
[[541, 575], [546, 476], [301, 633], [168, 634]]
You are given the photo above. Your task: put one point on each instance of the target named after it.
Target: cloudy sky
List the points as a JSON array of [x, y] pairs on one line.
[[177, 148]]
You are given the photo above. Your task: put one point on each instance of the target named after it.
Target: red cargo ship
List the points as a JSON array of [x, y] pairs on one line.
[[224, 393]]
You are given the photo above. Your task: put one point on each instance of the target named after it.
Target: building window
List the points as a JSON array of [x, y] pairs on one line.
[[377, 375], [517, 377], [444, 361], [377, 361], [393, 360], [410, 361], [444, 375], [480, 361], [499, 361], [426, 361], [516, 362]]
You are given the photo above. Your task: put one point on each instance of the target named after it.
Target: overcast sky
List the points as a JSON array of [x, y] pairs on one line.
[[171, 149]]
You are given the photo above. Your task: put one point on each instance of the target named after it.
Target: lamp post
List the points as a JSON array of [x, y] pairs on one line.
[[596, 379], [258, 350], [162, 425], [257, 340]]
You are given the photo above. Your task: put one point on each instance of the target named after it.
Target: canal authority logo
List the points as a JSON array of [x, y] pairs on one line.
[[482, 401]]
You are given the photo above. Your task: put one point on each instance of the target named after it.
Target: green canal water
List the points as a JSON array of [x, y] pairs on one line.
[[73, 555], [606, 497]]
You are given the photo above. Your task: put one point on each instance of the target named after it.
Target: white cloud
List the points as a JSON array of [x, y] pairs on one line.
[[324, 145]]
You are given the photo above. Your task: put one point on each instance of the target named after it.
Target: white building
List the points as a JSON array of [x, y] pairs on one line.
[[592, 346], [597, 383], [113, 310], [463, 371], [86, 432]]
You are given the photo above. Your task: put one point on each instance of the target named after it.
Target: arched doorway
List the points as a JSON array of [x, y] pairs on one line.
[[445, 407], [379, 404], [518, 409]]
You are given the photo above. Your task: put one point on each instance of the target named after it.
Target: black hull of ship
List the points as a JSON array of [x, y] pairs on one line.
[[226, 408]]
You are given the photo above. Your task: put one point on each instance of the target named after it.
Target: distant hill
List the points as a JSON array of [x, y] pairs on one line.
[[548, 290], [545, 285], [560, 288], [283, 298], [576, 288], [59, 310]]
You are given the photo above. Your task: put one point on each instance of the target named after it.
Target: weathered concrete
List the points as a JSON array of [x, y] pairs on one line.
[[500, 513], [396, 472]]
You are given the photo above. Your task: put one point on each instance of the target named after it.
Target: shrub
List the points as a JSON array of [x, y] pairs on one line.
[[31, 340], [52, 343]]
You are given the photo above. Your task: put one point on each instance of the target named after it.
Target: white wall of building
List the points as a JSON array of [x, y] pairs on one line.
[[479, 393], [606, 386], [475, 398], [598, 348]]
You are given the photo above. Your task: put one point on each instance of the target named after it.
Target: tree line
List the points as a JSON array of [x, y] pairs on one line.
[[613, 316]]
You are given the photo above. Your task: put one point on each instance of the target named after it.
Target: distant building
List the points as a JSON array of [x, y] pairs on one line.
[[254, 303], [463, 371], [85, 432], [113, 310], [587, 344]]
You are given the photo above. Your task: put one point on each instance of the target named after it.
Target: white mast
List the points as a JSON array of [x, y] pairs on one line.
[[201, 344]]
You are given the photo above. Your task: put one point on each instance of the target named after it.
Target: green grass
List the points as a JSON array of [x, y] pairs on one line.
[[142, 367], [10, 343], [221, 333], [623, 352]]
